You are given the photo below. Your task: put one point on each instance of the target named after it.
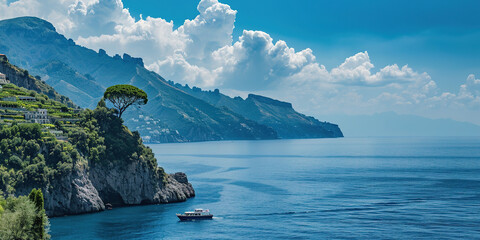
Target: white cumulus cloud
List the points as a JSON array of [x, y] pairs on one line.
[[356, 70], [255, 62], [470, 92], [202, 52], [73, 18], [210, 30]]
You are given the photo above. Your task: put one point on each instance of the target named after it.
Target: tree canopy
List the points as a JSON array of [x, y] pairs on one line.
[[124, 96], [40, 220], [23, 217]]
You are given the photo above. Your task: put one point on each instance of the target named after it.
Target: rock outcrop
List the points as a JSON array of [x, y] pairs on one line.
[[102, 164], [87, 191], [72, 194], [136, 183]]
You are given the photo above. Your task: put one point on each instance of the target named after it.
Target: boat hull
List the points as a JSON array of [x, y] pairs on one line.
[[190, 218]]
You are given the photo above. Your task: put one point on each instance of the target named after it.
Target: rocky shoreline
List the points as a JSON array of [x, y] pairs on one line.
[[90, 190]]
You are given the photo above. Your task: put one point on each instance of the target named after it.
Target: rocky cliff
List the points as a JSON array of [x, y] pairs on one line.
[[88, 186], [94, 162], [136, 183], [117, 169], [87, 191]]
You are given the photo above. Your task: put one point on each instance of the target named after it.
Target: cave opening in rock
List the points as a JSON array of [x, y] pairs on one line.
[[111, 196]]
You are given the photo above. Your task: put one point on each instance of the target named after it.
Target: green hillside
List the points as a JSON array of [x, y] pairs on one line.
[[75, 147], [97, 135], [14, 105], [22, 78]]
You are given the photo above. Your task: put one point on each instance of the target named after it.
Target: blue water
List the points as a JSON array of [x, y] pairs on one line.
[[351, 188]]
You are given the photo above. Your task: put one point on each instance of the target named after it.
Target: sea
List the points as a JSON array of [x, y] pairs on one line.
[[345, 188]]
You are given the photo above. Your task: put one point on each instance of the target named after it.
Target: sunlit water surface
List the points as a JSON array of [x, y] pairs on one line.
[[351, 188]]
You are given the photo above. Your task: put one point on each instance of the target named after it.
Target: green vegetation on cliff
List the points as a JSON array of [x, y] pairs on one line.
[[31, 156], [101, 137], [123, 96], [23, 217], [13, 105], [80, 159]]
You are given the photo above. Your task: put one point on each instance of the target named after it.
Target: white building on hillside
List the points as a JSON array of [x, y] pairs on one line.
[[27, 98], [3, 79], [39, 116]]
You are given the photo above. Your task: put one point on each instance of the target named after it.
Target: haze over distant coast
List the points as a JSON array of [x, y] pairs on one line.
[[391, 124]]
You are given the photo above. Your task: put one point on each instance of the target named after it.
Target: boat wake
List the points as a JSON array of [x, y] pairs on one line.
[[353, 209]]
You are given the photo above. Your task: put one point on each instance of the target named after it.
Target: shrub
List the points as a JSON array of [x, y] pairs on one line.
[[23, 218]]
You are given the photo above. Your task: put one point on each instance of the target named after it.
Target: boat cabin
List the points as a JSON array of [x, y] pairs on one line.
[[198, 212]]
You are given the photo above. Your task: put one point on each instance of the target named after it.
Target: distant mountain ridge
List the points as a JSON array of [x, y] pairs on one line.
[[274, 113], [83, 74]]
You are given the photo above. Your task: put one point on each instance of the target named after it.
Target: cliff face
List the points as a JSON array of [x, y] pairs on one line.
[[87, 191], [72, 194], [136, 183], [76, 182]]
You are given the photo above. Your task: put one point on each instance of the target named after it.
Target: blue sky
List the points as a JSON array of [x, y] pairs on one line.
[[328, 58], [438, 37]]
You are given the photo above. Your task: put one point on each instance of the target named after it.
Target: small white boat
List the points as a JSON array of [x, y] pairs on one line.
[[198, 214]]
